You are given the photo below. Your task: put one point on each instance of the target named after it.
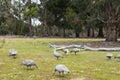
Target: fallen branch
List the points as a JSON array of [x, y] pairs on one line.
[[84, 47], [65, 47]]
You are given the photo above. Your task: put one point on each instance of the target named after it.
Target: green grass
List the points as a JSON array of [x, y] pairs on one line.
[[86, 65]]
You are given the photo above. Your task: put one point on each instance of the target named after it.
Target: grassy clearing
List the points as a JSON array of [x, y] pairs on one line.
[[86, 65]]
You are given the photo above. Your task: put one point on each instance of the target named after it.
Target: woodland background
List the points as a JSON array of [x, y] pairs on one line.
[[61, 18]]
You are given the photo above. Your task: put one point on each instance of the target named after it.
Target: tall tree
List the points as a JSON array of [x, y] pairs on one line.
[[72, 19], [58, 9], [44, 17], [80, 8], [109, 13], [113, 11], [30, 12]]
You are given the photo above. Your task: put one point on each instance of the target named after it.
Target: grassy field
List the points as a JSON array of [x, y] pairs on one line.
[[86, 65]]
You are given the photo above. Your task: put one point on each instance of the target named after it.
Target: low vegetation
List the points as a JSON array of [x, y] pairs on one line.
[[86, 65]]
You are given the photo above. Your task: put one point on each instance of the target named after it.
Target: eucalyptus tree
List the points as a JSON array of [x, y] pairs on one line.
[[2, 19], [58, 9], [69, 14], [45, 17], [90, 22], [73, 21], [30, 12], [108, 12], [79, 11], [11, 16], [16, 11], [2, 9], [6, 16], [113, 20]]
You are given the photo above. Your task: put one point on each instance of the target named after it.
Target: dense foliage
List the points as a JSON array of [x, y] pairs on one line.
[[62, 18]]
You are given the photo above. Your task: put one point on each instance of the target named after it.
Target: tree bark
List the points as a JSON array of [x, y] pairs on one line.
[[111, 33], [112, 23], [30, 23], [30, 31], [30, 27], [44, 29], [49, 31]]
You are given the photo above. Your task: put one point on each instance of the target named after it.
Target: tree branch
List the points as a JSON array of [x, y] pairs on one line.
[[84, 47], [98, 18]]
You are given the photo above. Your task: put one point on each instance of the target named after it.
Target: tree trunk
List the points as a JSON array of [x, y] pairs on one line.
[[100, 32], [77, 34], [30, 31], [30, 23], [19, 16], [44, 31], [88, 32], [93, 33], [119, 34], [111, 33], [64, 32], [49, 30], [112, 23], [30, 27]]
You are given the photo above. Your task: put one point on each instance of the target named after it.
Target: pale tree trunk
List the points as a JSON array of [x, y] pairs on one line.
[[61, 32], [90, 32], [50, 31], [30, 28], [30, 23], [44, 12], [19, 15], [45, 23]]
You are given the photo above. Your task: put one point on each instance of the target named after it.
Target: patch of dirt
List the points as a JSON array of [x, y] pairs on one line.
[[92, 44], [1, 63]]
